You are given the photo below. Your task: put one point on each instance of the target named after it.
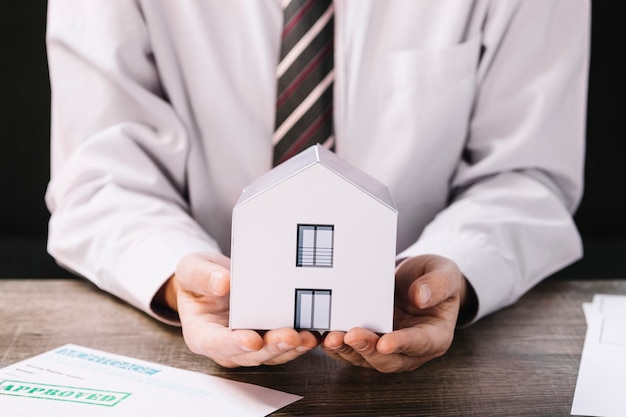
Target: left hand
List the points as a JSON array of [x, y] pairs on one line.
[[429, 293]]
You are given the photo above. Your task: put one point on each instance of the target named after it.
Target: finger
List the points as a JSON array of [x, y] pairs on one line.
[[362, 341], [365, 343], [428, 340], [334, 346], [333, 340], [220, 343], [333, 343], [338, 348]]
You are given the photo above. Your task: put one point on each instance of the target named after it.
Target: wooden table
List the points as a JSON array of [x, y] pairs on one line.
[[522, 361]]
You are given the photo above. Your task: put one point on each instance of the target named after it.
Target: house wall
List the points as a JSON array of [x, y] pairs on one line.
[[264, 272]]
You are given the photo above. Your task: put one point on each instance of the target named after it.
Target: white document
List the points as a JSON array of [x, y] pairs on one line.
[[77, 381], [601, 385]]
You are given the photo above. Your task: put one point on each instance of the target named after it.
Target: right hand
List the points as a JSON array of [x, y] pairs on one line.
[[199, 290]]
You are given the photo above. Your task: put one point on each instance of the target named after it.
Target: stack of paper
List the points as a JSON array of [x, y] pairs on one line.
[[601, 385], [77, 381]]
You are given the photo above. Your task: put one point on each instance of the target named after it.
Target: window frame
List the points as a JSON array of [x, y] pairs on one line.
[[319, 256], [319, 298]]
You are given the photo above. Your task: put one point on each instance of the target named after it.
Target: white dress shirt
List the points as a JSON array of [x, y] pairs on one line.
[[472, 113]]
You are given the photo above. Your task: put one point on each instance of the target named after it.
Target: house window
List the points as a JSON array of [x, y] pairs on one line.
[[315, 245], [312, 309]]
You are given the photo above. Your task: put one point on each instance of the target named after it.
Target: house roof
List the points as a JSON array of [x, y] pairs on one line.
[[318, 154]]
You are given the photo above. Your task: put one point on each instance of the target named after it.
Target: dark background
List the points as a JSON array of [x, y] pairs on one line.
[[24, 149]]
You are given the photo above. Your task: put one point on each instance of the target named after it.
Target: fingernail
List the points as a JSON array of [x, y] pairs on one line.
[[425, 294], [215, 282]]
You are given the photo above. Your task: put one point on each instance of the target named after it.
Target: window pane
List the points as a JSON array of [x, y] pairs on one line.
[[304, 307], [324, 246], [324, 237], [321, 311], [306, 245], [307, 234]]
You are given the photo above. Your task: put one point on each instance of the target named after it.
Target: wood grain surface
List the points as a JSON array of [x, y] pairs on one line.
[[521, 361]]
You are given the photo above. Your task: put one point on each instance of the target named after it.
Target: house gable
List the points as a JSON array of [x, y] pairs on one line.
[[318, 154]]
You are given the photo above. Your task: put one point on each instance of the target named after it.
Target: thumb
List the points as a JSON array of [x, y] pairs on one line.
[[434, 280], [204, 274]]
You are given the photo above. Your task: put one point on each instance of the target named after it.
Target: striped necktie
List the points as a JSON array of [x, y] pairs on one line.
[[305, 79]]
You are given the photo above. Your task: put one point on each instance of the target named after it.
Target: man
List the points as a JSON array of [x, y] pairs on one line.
[[472, 113]]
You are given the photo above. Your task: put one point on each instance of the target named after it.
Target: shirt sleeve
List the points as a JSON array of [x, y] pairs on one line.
[[509, 222], [117, 195]]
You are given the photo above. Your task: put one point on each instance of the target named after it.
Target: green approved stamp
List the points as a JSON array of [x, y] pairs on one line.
[[62, 393]]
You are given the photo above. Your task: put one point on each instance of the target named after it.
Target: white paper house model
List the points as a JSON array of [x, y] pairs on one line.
[[313, 247]]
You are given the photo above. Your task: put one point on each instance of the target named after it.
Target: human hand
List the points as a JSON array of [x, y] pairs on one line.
[[428, 296], [199, 291]]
